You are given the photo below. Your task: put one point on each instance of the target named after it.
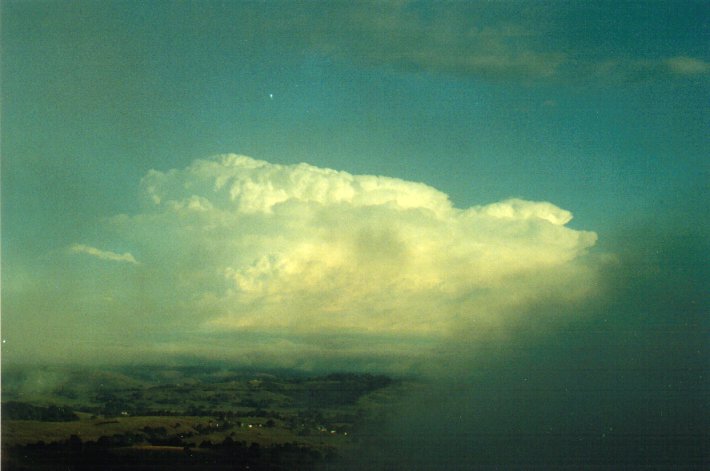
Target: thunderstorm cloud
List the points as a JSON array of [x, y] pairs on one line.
[[299, 250], [241, 258]]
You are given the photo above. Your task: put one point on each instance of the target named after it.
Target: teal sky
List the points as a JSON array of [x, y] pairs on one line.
[[600, 108]]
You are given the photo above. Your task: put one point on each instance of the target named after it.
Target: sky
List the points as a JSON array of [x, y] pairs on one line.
[[508, 199], [316, 183]]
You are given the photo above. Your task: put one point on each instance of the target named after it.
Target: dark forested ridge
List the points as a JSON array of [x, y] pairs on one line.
[[15, 410]]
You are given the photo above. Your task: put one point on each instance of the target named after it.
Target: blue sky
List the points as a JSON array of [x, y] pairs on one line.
[[599, 109]]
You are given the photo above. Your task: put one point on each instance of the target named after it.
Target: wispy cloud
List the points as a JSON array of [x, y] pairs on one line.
[[461, 39], [103, 254], [684, 65], [643, 70], [497, 42]]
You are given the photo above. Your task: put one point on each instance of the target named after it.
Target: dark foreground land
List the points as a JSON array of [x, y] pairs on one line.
[[222, 418], [185, 418]]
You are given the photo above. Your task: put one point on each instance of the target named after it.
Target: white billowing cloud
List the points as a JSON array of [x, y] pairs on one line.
[[103, 254], [244, 185], [246, 247]]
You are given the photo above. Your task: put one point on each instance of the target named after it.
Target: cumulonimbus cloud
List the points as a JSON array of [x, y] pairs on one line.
[[296, 265], [247, 247]]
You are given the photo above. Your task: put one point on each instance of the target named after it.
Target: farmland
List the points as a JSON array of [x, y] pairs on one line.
[[186, 417]]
